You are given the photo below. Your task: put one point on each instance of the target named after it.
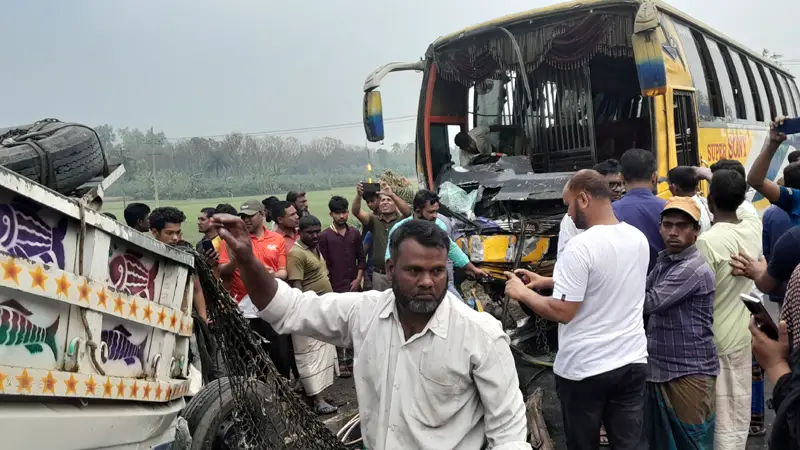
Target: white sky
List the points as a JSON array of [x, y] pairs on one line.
[[201, 67]]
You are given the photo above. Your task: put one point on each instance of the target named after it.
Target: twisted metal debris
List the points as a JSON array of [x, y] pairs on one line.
[[267, 413]]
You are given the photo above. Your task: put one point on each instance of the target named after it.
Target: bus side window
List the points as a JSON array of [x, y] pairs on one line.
[[780, 92], [736, 83], [712, 80], [773, 112], [790, 103], [795, 94], [758, 99], [696, 68], [763, 88]]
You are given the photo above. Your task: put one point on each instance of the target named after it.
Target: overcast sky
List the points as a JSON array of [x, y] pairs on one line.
[[204, 67]]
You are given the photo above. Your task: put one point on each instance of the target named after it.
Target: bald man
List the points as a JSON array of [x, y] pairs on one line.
[[598, 299]]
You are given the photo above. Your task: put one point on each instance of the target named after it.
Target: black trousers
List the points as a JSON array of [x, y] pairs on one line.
[[614, 398], [279, 348]]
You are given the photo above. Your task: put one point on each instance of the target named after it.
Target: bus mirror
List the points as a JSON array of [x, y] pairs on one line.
[[373, 116]]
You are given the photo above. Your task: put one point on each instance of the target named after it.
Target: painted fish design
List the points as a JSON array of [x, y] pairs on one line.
[[24, 234], [17, 330], [127, 273], [120, 347]]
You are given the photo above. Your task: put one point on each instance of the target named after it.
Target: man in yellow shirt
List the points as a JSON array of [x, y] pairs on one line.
[[735, 230]]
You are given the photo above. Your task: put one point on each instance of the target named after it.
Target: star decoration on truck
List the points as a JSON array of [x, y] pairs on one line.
[[72, 384], [63, 285], [3, 382], [118, 304], [134, 308], [147, 312], [49, 383], [38, 278], [102, 298], [91, 386], [107, 387], [83, 291], [24, 381], [11, 271]]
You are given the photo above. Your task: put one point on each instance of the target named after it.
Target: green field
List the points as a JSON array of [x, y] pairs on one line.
[[317, 205]]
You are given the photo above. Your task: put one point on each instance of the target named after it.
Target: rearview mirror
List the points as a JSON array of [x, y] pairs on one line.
[[373, 116]]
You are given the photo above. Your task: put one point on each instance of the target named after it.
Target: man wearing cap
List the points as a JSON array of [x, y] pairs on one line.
[[270, 250], [682, 358]]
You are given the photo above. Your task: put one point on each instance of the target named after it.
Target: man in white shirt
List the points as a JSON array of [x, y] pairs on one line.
[[430, 372], [598, 299], [612, 173]]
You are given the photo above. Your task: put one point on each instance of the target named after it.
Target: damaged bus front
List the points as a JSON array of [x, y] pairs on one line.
[[560, 90]]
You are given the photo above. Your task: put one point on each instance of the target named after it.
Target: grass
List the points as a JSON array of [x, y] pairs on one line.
[[317, 205]]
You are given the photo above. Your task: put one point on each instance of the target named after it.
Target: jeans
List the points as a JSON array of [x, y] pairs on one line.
[[452, 288], [614, 398]]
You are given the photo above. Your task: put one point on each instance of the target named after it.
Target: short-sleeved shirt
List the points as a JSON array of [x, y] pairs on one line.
[[640, 208], [776, 223], [789, 201], [454, 252], [731, 317], [288, 239], [269, 249], [380, 238], [604, 268], [785, 256], [344, 254], [307, 266]]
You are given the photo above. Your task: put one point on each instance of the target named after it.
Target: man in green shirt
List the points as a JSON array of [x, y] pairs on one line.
[[735, 229], [307, 271], [391, 210], [426, 207]]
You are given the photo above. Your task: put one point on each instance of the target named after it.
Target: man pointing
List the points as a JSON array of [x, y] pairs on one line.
[[430, 372]]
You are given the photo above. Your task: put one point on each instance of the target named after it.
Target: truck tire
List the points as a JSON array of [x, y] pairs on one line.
[[75, 153], [210, 414]]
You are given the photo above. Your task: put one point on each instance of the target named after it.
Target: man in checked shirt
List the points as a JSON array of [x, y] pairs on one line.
[[682, 358]]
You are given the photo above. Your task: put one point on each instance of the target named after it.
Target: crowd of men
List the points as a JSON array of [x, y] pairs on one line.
[[656, 347]]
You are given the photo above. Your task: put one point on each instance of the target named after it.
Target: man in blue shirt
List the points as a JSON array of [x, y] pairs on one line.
[[776, 222], [426, 207], [640, 207], [786, 197]]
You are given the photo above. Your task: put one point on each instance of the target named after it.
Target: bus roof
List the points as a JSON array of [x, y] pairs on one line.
[[579, 5]]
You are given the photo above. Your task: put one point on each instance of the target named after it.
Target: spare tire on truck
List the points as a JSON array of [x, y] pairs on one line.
[[61, 156], [211, 414]]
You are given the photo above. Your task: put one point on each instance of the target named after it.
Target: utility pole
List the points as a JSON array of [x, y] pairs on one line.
[[153, 162]]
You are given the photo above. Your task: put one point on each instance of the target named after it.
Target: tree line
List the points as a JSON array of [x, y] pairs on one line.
[[239, 165]]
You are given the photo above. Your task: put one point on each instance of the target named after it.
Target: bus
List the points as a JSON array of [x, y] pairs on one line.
[[566, 86]]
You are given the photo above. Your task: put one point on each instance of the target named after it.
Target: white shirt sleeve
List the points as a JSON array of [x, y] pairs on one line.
[[504, 418], [567, 231], [328, 318], [571, 275]]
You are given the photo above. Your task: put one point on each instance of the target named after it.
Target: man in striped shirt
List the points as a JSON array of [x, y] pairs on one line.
[[682, 358]]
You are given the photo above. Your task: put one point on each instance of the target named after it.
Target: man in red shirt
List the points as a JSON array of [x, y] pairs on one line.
[[287, 220], [270, 250]]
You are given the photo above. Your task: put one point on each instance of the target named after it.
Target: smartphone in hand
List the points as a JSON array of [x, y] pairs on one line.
[[790, 126], [760, 313]]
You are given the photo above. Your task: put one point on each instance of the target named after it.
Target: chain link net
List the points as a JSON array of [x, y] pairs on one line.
[[266, 413]]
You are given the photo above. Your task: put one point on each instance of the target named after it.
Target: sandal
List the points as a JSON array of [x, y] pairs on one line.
[[757, 430], [603, 437], [322, 409]]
